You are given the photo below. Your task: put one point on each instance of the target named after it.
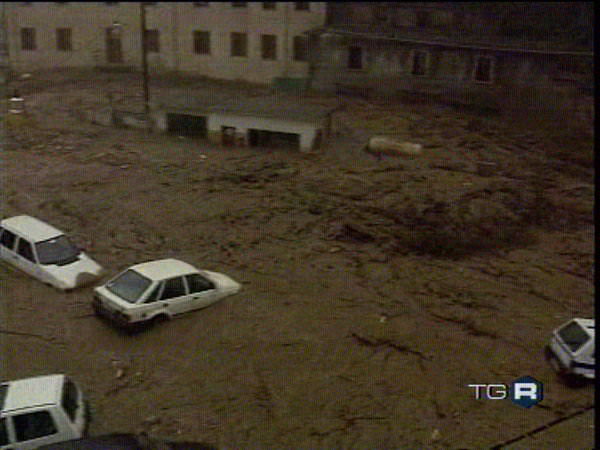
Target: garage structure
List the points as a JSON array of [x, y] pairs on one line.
[[267, 122]]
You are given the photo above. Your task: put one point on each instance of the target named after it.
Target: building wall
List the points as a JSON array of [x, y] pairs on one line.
[[175, 22]]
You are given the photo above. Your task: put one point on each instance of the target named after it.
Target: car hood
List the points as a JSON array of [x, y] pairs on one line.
[[222, 281], [78, 273]]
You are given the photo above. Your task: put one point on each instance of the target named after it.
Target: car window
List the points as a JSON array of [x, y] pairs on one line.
[[197, 283], [154, 295], [574, 336], [8, 239], [130, 285], [25, 250], [58, 250], [173, 288], [33, 425], [3, 432], [69, 399]]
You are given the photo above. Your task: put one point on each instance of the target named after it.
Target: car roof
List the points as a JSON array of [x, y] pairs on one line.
[[164, 268], [31, 228], [29, 392]]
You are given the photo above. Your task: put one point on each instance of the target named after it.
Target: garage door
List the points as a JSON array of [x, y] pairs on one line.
[[186, 125], [273, 139]]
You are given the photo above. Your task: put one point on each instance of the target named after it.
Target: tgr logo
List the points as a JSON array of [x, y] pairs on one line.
[[524, 391]]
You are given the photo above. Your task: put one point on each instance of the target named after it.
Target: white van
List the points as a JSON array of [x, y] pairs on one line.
[[45, 253], [40, 410], [572, 350]]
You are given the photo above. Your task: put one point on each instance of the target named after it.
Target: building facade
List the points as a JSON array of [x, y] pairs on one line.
[[249, 41]]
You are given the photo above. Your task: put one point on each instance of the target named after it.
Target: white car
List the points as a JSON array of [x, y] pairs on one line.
[[158, 290], [45, 253], [572, 349], [40, 410]]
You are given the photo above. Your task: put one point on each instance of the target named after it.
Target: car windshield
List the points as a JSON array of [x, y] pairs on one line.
[[130, 285], [574, 336], [58, 250]]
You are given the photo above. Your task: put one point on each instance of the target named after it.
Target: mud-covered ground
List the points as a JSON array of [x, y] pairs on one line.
[[374, 291]]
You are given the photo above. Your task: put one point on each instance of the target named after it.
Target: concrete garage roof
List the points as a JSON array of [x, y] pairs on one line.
[[270, 107]]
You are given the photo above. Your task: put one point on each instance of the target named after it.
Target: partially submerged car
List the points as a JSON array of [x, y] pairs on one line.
[[572, 350], [158, 290], [125, 441], [40, 410], [45, 253]]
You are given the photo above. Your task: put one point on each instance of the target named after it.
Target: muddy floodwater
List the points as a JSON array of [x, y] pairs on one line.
[[373, 290]]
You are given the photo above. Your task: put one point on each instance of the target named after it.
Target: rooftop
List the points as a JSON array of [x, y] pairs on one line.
[[42, 390], [164, 268], [410, 35], [31, 227], [276, 107]]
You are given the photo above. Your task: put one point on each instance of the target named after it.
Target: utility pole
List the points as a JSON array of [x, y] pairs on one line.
[[144, 58]]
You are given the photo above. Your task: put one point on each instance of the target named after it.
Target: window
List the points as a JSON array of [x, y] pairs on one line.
[[483, 69], [112, 3], [300, 48], [202, 42], [239, 44], [33, 425], [355, 58], [574, 336], [419, 63], [197, 283], [302, 6], [239, 4], [130, 285], [3, 432], [152, 41], [269, 46], [269, 5], [173, 288], [114, 53], [8, 239], [155, 293], [63, 39], [423, 19], [69, 400], [28, 39], [25, 250], [201, 4]]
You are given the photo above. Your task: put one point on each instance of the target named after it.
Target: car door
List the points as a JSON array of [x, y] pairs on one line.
[[34, 429], [202, 291], [26, 258], [8, 240], [174, 296]]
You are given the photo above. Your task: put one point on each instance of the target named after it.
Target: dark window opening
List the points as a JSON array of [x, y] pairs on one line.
[[186, 125], [28, 39], [70, 399], [63, 39], [269, 5], [201, 4], [114, 53], [355, 58], [302, 6], [154, 294], [239, 4], [239, 44], [25, 250], [419, 66], [152, 41], [8, 239], [423, 19], [269, 46], [197, 283], [3, 432], [173, 288], [202, 42], [33, 425], [483, 70], [300, 48]]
